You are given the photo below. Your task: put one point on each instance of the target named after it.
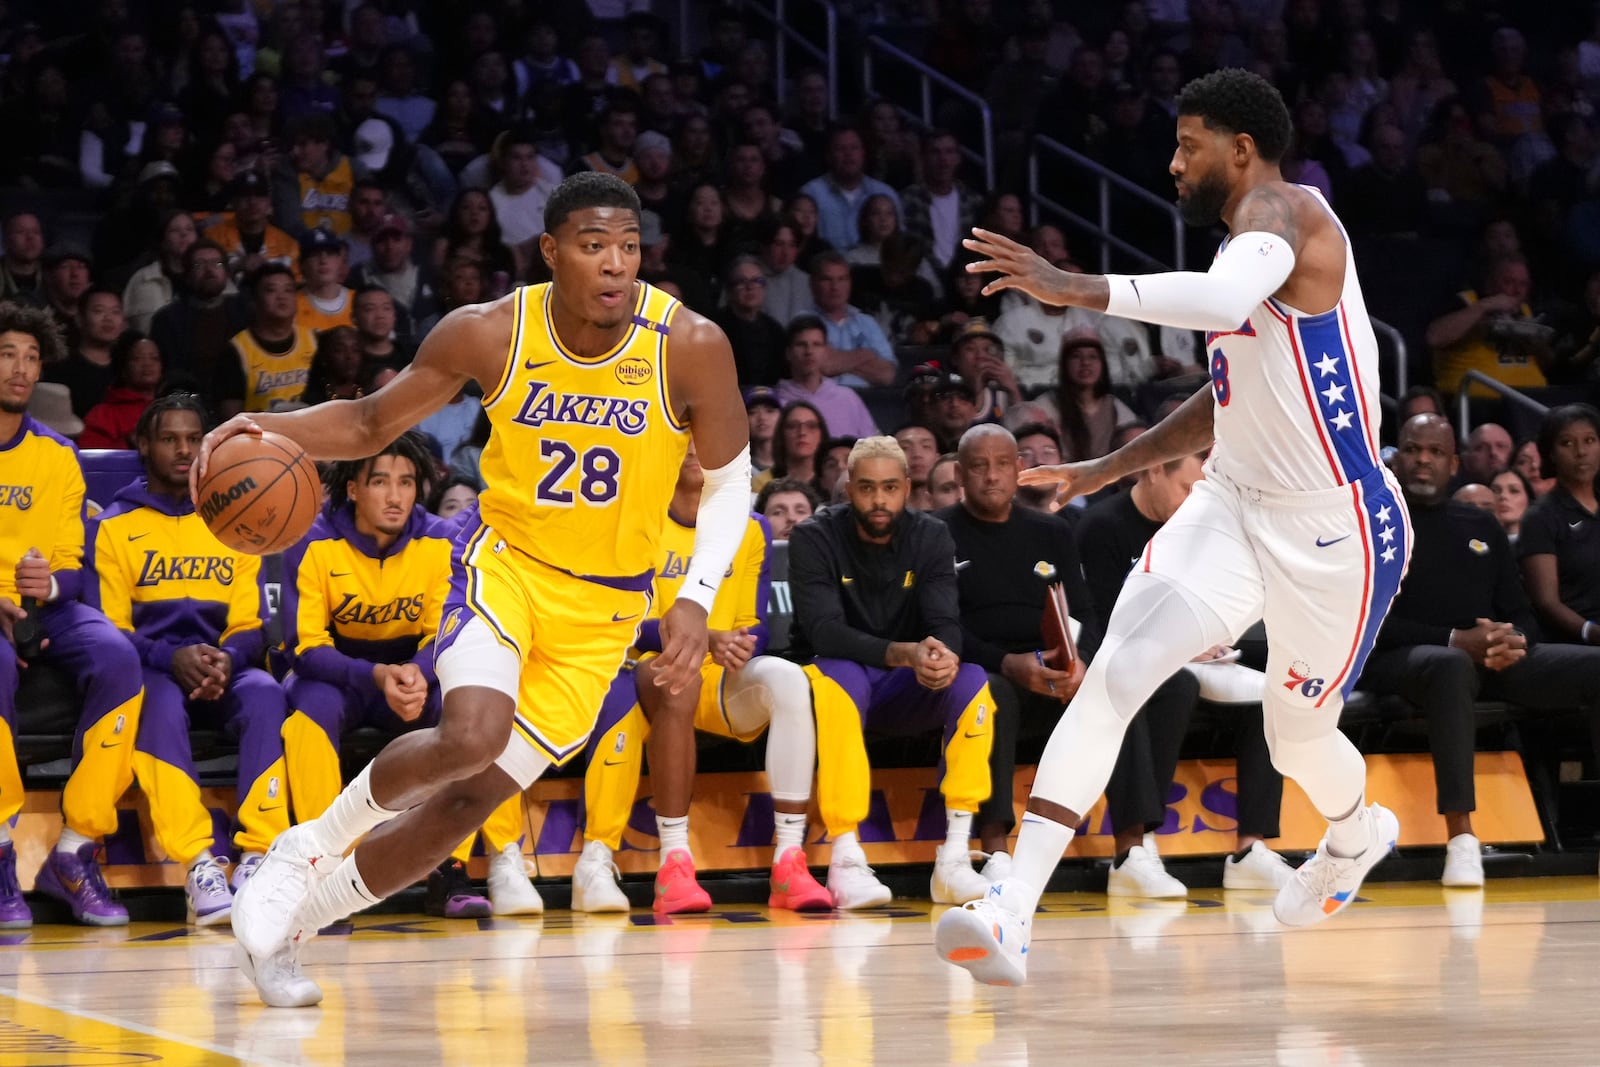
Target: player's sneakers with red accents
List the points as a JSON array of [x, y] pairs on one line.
[[1326, 884], [793, 887], [677, 891], [987, 939], [266, 908]]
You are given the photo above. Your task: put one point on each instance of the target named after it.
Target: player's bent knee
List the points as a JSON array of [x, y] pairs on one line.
[[473, 731]]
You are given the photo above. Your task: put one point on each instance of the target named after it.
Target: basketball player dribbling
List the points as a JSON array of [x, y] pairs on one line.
[[1296, 523], [591, 419]]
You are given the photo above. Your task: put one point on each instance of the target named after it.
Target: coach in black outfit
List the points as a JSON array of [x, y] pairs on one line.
[[1462, 628]]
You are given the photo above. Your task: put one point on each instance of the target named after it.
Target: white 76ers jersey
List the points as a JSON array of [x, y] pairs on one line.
[[1297, 404]]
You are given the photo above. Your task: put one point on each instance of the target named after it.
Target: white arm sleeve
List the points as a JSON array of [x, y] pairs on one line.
[[720, 526], [1253, 267]]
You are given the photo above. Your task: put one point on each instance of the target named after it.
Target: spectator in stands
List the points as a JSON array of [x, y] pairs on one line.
[[1084, 406], [466, 460], [892, 151], [1460, 630], [198, 630], [472, 230], [785, 503], [1475, 495], [857, 352], [458, 132], [808, 112], [1527, 462], [751, 207], [1484, 332], [833, 462], [978, 356], [1509, 106], [940, 209], [311, 188], [453, 496], [808, 350], [788, 289], [944, 483], [695, 160], [1422, 400], [1461, 170], [360, 618], [885, 652], [801, 213], [207, 100], [876, 222], [451, 426], [41, 559], [1038, 444], [269, 362], [841, 191], [797, 446], [193, 331], [967, 42], [920, 448], [413, 287], [324, 301], [335, 372], [526, 182], [955, 410], [788, 167], [898, 292], [248, 240], [375, 330], [154, 285], [1559, 543], [1016, 88], [758, 341], [652, 157], [701, 245], [1488, 451], [762, 407], [68, 273], [398, 97], [21, 276], [135, 373], [369, 206], [87, 370], [1387, 196], [964, 299], [1512, 495], [616, 128]]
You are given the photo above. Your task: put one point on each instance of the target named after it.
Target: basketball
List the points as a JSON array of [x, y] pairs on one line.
[[260, 494]]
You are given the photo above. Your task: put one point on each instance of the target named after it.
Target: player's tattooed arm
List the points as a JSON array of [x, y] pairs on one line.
[[1267, 209], [1185, 432]]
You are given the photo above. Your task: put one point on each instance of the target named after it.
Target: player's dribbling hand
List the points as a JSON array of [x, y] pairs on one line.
[[683, 645], [237, 425], [1019, 267], [731, 649], [1068, 479]]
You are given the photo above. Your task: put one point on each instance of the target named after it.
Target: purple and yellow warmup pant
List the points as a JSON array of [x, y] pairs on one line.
[[251, 713], [105, 667], [321, 714], [851, 698]]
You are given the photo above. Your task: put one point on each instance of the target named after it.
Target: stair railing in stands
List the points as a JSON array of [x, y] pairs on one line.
[[1464, 399], [824, 54], [877, 52]]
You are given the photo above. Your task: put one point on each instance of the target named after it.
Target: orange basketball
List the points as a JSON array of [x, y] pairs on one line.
[[260, 494]]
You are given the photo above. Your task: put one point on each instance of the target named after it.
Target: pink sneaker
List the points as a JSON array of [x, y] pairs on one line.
[[676, 888], [793, 887]]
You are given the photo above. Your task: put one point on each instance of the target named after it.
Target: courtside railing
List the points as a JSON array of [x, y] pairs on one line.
[[780, 14], [879, 53], [1511, 396], [1100, 227]]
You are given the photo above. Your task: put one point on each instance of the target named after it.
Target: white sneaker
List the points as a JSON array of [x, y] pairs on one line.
[[594, 881], [997, 868], [852, 885], [277, 978], [205, 891], [511, 891], [1261, 868], [1142, 875], [988, 940], [1326, 884], [266, 908], [954, 880], [1463, 863]]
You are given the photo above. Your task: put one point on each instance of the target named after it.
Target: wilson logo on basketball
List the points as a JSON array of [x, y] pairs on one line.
[[218, 501], [634, 371]]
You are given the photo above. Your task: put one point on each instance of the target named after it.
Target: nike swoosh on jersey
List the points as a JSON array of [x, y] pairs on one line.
[[531, 365], [135, 537], [1324, 544], [623, 618], [338, 574], [614, 762]]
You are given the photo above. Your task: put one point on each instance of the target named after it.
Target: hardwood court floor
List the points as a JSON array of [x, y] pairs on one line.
[[1412, 975]]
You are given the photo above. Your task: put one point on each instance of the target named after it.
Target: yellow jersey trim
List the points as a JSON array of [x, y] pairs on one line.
[[617, 349], [514, 355], [475, 546], [661, 365]]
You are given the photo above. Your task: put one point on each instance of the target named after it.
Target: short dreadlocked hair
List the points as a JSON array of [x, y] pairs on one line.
[[37, 323], [150, 419], [586, 189], [1240, 101], [409, 445]]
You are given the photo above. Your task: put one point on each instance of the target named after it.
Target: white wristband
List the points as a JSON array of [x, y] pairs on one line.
[[1250, 269], [718, 529]]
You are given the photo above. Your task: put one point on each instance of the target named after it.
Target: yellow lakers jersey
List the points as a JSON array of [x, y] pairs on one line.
[[314, 318], [325, 202], [584, 452], [41, 506], [271, 378], [741, 598]]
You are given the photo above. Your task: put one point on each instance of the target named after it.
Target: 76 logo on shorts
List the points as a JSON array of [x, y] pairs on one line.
[[1300, 678]]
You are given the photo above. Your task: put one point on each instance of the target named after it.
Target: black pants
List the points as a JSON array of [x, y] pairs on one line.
[[1444, 682]]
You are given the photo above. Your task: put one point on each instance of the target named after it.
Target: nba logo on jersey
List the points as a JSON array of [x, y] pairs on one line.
[[622, 742], [272, 788], [122, 720]]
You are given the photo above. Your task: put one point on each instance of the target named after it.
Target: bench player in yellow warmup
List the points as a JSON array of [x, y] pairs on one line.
[[739, 693], [592, 384]]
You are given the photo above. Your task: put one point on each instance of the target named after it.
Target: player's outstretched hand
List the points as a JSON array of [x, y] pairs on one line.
[[1019, 267], [1068, 479], [683, 645], [237, 425]]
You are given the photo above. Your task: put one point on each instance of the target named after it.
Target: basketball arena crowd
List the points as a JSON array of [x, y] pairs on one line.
[[253, 205]]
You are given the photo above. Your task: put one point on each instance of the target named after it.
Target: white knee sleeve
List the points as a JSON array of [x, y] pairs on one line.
[[771, 690], [1154, 630], [1308, 746]]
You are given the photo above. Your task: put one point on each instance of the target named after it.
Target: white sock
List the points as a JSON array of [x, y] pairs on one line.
[[674, 834], [5, 832], [341, 894], [205, 855], [1039, 847], [1349, 836], [71, 841], [846, 846], [957, 829], [790, 832], [352, 814]]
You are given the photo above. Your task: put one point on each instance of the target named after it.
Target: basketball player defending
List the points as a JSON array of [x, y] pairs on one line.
[[1296, 522], [592, 384]]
